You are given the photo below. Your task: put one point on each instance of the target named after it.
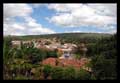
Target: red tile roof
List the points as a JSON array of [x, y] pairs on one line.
[[50, 61], [64, 62]]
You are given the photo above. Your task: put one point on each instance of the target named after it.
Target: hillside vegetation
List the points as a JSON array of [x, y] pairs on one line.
[[25, 63]]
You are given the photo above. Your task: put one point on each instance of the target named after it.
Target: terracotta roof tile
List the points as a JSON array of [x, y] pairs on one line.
[[64, 62]]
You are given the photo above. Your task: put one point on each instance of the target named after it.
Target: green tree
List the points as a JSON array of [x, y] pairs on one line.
[[104, 68], [7, 48], [57, 73], [82, 75], [104, 59], [47, 71], [69, 73]]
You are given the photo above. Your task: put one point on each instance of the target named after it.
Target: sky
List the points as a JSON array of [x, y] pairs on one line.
[[36, 19]]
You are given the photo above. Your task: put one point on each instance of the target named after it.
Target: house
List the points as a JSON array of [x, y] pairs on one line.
[[16, 43], [54, 45], [67, 50], [26, 42], [66, 53]]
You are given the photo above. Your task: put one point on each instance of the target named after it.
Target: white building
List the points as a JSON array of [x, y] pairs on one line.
[[16, 43]]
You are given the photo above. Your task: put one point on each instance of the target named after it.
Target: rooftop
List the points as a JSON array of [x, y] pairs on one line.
[[65, 62]]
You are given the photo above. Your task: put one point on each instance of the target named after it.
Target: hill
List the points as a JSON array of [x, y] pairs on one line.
[[67, 37]]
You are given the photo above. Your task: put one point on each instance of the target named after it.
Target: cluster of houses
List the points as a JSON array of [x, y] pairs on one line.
[[66, 49]]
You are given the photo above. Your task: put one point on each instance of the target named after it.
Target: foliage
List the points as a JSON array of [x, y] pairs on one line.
[[7, 49], [57, 73], [18, 62], [47, 70], [51, 54], [68, 37], [69, 73], [83, 75], [77, 56], [104, 68], [21, 77], [105, 61]]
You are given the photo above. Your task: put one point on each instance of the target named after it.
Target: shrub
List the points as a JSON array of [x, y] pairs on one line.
[[57, 73], [47, 71], [83, 75], [69, 73], [21, 77]]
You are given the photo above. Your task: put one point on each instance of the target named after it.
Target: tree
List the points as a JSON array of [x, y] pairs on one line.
[[104, 68], [57, 73], [104, 58], [7, 48], [47, 71], [52, 54], [69, 73], [82, 74]]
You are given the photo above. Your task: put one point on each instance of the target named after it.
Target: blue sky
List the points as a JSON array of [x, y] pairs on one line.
[[35, 19]]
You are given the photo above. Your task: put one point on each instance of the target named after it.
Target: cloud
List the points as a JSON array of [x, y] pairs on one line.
[[80, 31], [12, 10], [18, 27], [102, 16], [37, 5], [41, 30], [107, 9], [112, 31], [78, 15], [28, 27], [64, 7], [13, 28], [74, 31], [34, 27]]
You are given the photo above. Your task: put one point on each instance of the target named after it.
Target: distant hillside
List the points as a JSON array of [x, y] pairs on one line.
[[67, 37]]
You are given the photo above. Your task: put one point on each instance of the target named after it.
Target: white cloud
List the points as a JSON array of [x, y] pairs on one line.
[[113, 31], [64, 7], [80, 31], [18, 34], [108, 9], [37, 5], [29, 19], [34, 27], [42, 30], [28, 27], [18, 27], [12, 10], [67, 15], [76, 31], [77, 15], [13, 28]]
